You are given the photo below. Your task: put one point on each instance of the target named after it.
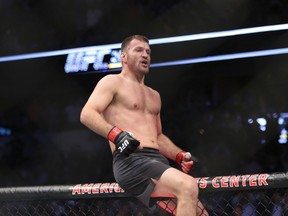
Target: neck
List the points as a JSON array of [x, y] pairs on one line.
[[133, 76]]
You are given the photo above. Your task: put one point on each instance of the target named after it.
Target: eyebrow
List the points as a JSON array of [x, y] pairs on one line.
[[141, 47]]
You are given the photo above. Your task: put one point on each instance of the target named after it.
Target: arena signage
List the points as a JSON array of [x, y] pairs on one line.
[[255, 180], [97, 188]]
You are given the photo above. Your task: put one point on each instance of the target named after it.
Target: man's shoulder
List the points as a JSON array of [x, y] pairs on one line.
[[153, 91], [109, 82], [112, 79]]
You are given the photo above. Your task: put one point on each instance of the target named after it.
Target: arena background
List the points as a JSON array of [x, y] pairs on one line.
[[210, 109]]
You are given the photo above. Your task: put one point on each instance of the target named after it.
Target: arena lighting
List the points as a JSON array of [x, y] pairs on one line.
[[220, 34], [152, 42], [224, 57]]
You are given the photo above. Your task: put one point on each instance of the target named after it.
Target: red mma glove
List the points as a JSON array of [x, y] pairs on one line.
[[186, 160], [124, 141]]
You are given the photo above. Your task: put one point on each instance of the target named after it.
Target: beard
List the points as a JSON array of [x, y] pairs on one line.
[[144, 70], [144, 67], [140, 68]]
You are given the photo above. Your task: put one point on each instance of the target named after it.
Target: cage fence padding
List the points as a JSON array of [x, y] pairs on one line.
[[256, 194]]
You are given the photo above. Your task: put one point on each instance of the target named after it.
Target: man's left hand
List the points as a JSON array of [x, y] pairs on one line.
[[186, 161]]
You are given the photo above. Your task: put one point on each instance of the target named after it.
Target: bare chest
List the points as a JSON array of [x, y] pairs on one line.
[[141, 98]]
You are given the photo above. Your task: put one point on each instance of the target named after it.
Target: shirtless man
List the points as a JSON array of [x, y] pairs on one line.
[[127, 112]]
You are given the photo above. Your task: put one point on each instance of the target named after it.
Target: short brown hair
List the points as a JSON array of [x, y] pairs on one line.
[[127, 40]]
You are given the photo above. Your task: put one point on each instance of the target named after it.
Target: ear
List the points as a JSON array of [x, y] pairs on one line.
[[123, 57]]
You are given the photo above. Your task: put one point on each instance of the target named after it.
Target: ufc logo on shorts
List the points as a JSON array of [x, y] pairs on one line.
[[123, 146]]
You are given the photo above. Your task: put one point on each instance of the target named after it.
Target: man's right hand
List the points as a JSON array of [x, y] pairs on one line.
[[125, 143]]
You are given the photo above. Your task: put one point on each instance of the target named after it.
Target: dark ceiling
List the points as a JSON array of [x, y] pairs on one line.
[[29, 26], [32, 26]]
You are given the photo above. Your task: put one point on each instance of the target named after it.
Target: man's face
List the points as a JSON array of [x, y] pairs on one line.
[[137, 56]]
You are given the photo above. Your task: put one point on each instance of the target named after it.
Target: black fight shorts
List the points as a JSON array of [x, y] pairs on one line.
[[134, 173]]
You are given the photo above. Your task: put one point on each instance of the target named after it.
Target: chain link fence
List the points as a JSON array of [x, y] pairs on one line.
[[256, 202], [269, 199]]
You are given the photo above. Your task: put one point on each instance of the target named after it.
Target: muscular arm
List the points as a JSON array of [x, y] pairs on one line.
[[173, 152], [91, 114], [167, 147]]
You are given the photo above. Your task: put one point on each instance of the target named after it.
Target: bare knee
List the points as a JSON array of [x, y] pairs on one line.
[[188, 188], [182, 186]]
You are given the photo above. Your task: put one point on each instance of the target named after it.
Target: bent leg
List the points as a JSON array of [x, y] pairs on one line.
[[182, 186]]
